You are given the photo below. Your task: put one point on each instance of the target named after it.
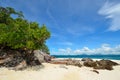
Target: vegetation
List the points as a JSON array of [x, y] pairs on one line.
[[18, 33]]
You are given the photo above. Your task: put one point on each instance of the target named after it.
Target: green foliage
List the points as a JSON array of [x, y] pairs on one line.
[[19, 33]]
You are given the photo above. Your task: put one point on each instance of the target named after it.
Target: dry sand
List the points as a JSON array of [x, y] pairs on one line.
[[60, 72]]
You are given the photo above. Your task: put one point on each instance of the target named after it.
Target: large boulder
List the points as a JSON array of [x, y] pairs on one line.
[[105, 64], [102, 64], [90, 64], [47, 57], [41, 56]]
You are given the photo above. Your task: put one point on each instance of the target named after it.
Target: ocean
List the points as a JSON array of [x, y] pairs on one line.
[[113, 57]]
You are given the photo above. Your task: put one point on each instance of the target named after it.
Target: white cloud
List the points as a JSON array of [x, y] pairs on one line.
[[112, 11], [64, 51], [104, 49]]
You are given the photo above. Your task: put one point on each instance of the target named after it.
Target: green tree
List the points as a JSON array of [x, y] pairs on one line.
[[18, 33]]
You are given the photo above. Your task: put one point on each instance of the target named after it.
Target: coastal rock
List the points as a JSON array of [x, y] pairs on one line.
[[74, 62], [105, 64], [58, 61], [86, 59], [11, 61], [47, 57], [41, 56], [107, 67], [38, 54], [102, 64], [90, 64]]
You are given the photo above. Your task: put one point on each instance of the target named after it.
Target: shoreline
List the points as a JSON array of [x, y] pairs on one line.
[[110, 57], [118, 61]]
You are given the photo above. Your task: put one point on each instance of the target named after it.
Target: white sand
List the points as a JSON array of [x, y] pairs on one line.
[[60, 72]]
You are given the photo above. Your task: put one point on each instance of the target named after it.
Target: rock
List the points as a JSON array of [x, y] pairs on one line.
[[32, 60], [47, 57], [38, 54], [41, 56], [104, 67], [105, 64], [102, 64], [58, 62], [86, 59], [11, 61], [90, 64], [74, 62]]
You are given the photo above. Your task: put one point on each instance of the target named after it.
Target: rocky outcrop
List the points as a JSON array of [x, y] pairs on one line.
[[11, 61], [105, 64], [74, 62], [18, 60], [102, 64], [86, 59], [67, 62], [41, 56], [22, 65], [90, 64]]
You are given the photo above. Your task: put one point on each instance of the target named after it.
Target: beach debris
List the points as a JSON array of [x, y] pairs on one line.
[[95, 71], [4, 60], [21, 66]]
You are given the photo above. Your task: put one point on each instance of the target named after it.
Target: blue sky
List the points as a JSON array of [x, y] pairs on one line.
[[77, 26]]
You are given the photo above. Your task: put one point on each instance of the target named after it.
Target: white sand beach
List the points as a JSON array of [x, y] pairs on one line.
[[60, 72]]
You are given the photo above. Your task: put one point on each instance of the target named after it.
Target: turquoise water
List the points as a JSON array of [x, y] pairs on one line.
[[113, 57]]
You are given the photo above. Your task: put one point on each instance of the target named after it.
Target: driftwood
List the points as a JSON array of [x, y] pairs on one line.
[[4, 60], [95, 71], [21, 65]]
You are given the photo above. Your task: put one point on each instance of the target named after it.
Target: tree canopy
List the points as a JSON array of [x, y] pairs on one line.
[[19, 33]]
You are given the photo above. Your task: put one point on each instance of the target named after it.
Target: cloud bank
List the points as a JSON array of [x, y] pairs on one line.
[[105, 49], [111, 11]]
